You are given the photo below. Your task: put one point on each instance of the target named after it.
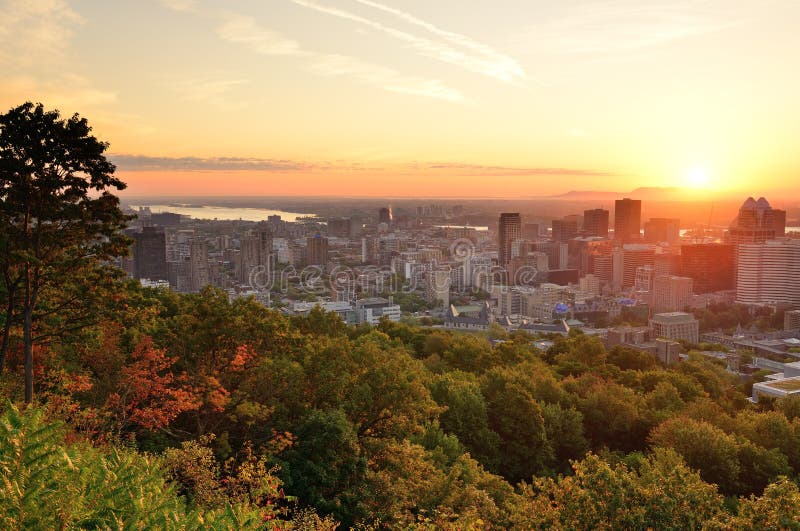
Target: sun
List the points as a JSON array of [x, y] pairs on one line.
[[696, 177]]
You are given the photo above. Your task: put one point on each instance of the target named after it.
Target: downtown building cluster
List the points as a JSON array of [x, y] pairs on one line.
[[592, 270]]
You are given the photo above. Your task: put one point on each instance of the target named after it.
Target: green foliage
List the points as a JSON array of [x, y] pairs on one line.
[[662, 494]]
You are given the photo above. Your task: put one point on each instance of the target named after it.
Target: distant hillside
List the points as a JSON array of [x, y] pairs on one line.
[[645, 193]]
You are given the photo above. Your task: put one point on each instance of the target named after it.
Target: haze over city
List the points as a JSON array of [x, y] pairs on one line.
[[365, 98]]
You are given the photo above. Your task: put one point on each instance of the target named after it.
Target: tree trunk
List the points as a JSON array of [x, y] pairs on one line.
[[27, 336], [7, 330]]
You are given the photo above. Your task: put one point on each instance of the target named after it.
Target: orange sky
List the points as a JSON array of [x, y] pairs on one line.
[[412, 97]]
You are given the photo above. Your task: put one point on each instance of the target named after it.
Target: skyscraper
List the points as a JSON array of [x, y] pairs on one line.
[[658, 230], [509, 230], [671, 293], [256, 256], [150, 254], [627, 220], [199, 275], [564, 229], [757, 222], [595, 222], [317, 251], [709, 265], [768, 273], [385, 215]]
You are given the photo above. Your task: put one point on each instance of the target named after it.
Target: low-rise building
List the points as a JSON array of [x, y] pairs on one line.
[[675, 325]]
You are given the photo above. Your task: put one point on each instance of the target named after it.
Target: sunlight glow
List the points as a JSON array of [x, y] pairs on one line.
[[696, 177]]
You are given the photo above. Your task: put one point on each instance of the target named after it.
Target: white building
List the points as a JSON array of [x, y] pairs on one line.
[[768, 273]]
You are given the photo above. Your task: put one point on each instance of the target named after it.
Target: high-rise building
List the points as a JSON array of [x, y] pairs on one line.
[[531, 231], [768, 273], [626, 261], [199, 275], [756, 223], [564, 229], [671, 293], [595, 222], [509, 230], [150, 254], [709, 265], [627, 220], [780, 222], [385, 215], [317, 251], [255, 258], [662, 230], [675, 325], [339, 227]]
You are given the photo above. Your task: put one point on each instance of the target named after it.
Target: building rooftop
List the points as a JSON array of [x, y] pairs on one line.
[[673, 317]]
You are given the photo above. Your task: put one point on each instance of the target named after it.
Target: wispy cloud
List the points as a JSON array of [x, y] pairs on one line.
[[245, 31], [450, 48], [477, 170], [503, 66], [209, 90], [241, 29], [180, 5], [127, 162], [384, 77], [145, 163], [35, 32], [621, 26]]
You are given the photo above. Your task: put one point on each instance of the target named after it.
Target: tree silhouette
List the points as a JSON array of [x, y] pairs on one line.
[[56, 214]]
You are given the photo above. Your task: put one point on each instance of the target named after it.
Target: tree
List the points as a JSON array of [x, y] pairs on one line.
[[56, 213]]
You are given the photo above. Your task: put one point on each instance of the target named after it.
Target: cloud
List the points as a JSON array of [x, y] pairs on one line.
[[466, 53], [618, 26], [126, 162], [209, 91], [505, 66], [384, 77], [507, 171], [35, 32], [241, 29], [184, 6], [245, 31]]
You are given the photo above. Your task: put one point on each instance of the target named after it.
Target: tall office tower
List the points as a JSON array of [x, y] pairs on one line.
[[255, 257], [780, 222], [659, 230], [595, 222], [564, 229], [339, 227], [385, 215], [627, 220], [756, 222], [768, 273], [150, 254], [199, 276], [671, 293], [710, 266], [317, 251], [626, 260], [530, 231], [509, 230], [557, 253]]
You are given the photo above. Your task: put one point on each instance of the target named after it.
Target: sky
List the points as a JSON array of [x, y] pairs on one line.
[[398, 98]]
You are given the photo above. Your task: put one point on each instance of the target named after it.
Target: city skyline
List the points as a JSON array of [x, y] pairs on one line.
[[362, 98]]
